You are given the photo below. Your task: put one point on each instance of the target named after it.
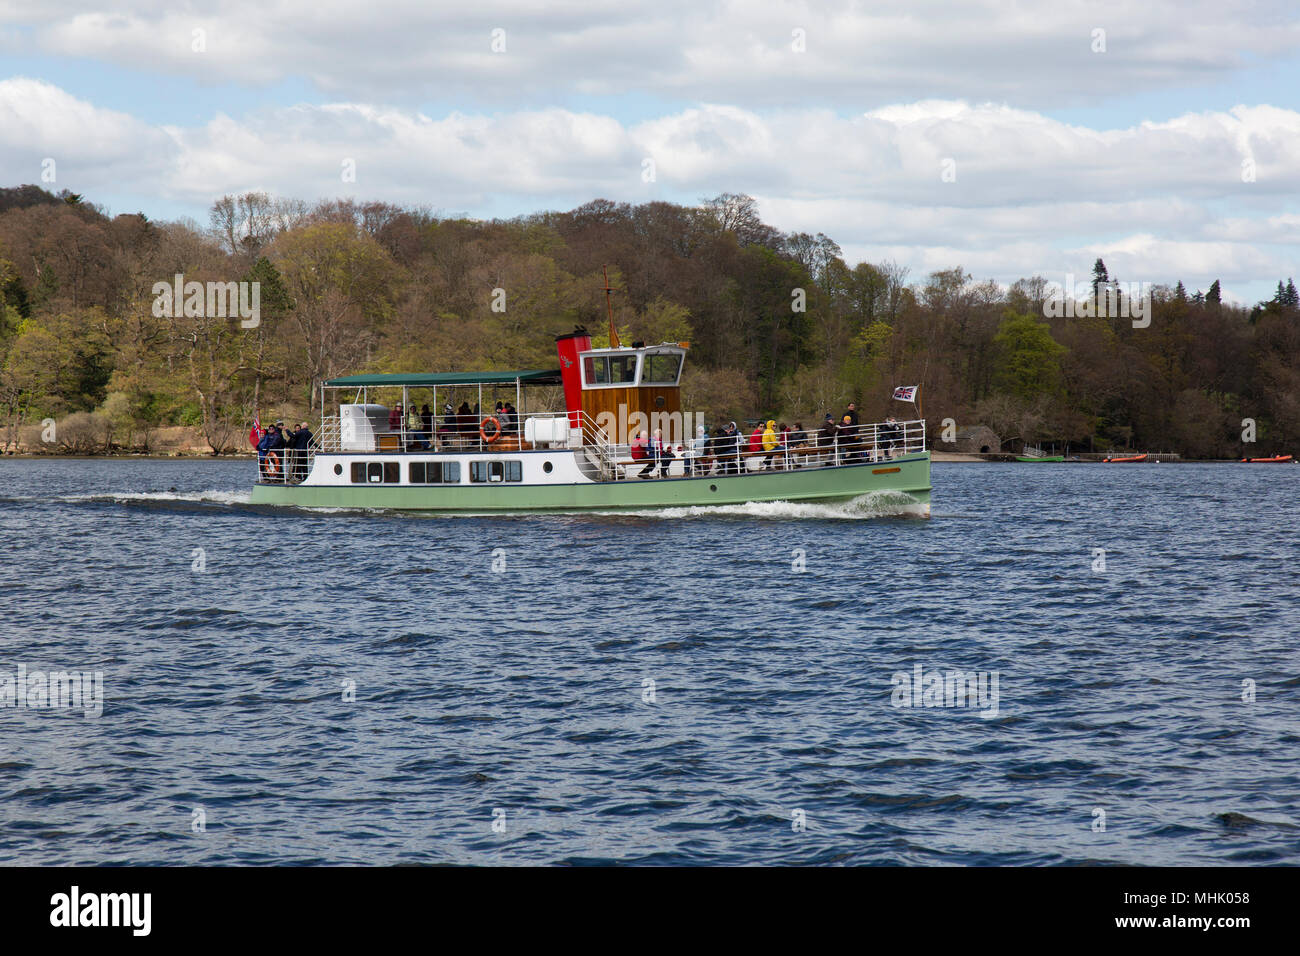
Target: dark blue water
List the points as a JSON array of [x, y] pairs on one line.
[[520, 692]]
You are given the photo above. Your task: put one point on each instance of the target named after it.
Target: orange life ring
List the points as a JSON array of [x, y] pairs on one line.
[[482, 429], [272, 464]]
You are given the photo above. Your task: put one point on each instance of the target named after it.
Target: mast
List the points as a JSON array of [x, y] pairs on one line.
[[614, 343]]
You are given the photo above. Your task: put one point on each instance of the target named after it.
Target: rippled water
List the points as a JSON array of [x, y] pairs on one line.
[[520, 696]]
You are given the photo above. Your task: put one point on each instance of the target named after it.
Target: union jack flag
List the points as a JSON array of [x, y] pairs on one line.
[[906, 393]]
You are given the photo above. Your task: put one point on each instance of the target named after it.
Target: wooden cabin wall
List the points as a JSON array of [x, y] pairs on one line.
[[644, 398]]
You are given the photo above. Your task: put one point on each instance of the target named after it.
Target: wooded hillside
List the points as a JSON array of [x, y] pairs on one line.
[[350, 287]]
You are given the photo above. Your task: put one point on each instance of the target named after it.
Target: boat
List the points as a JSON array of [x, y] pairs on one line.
[[1035, 453], [1141, 457], [1266, 461], [580, 457]]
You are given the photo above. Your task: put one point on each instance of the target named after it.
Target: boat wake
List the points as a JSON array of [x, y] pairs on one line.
[[156, 498], [877, 504], [209, 497]]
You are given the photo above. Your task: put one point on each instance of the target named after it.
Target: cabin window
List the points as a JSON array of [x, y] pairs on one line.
[[609, 370], [376, 473], [595, 369], [622, 369], [434, 473], [661, 369], [490, 472]]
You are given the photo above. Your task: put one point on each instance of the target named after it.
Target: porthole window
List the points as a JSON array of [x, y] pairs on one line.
[[713, 487], [338, 469], [547, 467]]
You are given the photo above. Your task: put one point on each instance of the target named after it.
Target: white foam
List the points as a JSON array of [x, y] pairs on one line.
[[211, 496], [876, 504]]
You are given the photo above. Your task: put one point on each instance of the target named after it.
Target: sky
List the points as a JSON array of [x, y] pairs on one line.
[[1009, 138]]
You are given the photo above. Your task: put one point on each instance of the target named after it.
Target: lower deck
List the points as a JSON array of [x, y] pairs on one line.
[[560, 481]]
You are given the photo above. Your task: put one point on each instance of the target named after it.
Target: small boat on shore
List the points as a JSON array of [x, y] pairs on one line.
[[1276, 459], [1141, 457], [1036, 453]]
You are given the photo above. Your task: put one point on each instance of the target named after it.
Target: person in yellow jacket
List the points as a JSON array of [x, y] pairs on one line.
[[771, 443]]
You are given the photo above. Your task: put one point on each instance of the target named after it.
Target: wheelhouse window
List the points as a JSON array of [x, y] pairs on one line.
[[622, 369], [376, 473], [489, 472], [434, 473], [661, 368], [595, 370], [609, 370]]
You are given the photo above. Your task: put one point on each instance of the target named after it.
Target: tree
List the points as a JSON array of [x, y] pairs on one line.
[[1214, 296], [1100, 277], [343, 285], [274, 302], [737, 214], [1030, 359]]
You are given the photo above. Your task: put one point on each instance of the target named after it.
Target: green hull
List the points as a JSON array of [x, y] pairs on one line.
[[909, 475], [1044, 458]]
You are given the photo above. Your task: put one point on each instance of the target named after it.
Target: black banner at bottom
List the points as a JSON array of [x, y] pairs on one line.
[[338, 905]]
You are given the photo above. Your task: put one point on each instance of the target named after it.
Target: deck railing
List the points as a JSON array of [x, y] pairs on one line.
[[731, 455], [611, 461]]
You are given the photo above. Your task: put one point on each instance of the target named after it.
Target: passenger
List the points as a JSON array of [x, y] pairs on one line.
[[731, 443], [891, 434], [446, 427], [771, 444], [413, 427], [828, 439], [300, 441], [848, 438], [720, 447], [395, 418], [426, 427], [662, 452], [262, 443], [641, 451], [465, 422], [506, 419], [755, 444], [697, 462], [795, 440], [275, 446], [513, 416]]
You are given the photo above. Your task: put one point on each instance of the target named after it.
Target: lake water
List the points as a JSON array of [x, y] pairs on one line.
[[712, 686]]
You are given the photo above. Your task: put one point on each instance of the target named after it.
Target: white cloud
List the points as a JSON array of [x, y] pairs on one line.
[[1031, 195], [734, 51]]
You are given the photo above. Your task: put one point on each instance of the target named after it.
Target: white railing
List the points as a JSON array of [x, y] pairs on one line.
[[720, 454], [285, 466], [731, 455]]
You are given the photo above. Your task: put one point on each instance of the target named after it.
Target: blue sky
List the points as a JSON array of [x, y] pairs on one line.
[[1057, 151]]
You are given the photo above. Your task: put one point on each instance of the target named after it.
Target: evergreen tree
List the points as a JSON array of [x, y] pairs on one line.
[[1180, 291], [1214, 296], [1100, 277], [1291, 298]]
